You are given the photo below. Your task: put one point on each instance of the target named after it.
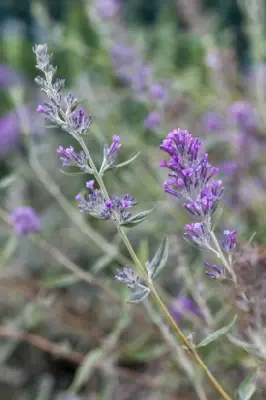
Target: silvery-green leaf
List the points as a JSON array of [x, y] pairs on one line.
[[123, 164], [159, 260], [214, 335], [139, 293], [247, 388], [74, 173], [7, 181], [86, 368], [137, 219]]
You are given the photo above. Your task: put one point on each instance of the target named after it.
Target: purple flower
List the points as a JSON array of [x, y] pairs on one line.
[[153, 120], [212, 121], [157, 91], [108, 8], [9, 133], [243, 115], [183, 306], [79, 122], [229, 240], [214, 272], [127, 276], [70, 157], [115, 209], [110, 153], [191, 175], [25, 221], [197, 233], [8, 77]]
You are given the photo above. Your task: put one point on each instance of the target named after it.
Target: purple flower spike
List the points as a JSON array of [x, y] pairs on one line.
[[191, 175], [213, 122], [184, 306], [79, 121], [214, 272], [115, 209], [110, 153], [157, 91], [70, 157], [25, 221], [153, 120], [229, 240], [243, 115], [108, 8], [9, 134]]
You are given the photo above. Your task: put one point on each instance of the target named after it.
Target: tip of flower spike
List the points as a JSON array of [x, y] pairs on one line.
[[79, 197], [90, 184], [108, 204], [163, 164], [40, 109]]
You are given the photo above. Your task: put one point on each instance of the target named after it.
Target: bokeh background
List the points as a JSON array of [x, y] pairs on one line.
[[141, 68]]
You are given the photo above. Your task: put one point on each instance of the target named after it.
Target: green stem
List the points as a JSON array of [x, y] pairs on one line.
[[142, 271], [220, 254]]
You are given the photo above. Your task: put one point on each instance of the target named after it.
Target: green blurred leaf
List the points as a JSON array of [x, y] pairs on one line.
[[123, 164], [215, 335], [159, 260], [137, 219], [247, 388], [86, 368]]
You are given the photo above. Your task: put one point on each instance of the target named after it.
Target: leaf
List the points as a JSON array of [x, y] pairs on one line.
[[159, 260], [214, 335], [7, 181], [137, 219], [86, 368], [123, 164], [61, 281], [74, 173], [246, 388], [139, 293]]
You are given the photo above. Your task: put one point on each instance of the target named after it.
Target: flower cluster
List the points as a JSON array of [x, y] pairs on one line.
[[127, 276], [110, 153], [191, 179], [96, 204], [191, 175], [70, 158], [71, 119], [25, 221]]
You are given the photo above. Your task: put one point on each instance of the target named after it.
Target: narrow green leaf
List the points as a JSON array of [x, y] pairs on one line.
[[214, 335], [73, 173], [7, 181], [159, 260], [139, 294], [86, 369], [137, 219], [61, 281], [247, 388], [123, 164]]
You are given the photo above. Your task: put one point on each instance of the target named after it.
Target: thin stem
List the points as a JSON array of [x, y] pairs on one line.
[[220, 254], [141, 269]]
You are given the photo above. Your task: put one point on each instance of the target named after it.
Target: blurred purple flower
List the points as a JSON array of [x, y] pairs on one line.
[[153, 120], [212, 121], [243, 115], [25, 221], [8, 77], [183, 306], [9, 133], [157, 91], [108, 8]]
